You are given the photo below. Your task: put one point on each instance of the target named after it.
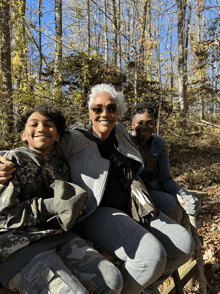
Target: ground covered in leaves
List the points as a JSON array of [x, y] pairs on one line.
[[196, 166]]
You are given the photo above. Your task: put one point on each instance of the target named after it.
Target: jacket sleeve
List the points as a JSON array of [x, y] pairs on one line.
[[15, 213], [165, 177], [191, 203], [69, 200], [66, 205]]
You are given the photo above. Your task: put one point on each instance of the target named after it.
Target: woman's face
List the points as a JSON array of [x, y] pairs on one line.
[[144, 125], [103, 114]]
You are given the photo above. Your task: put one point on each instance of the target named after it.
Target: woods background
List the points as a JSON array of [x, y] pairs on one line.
[[162, 51], [166, 52]]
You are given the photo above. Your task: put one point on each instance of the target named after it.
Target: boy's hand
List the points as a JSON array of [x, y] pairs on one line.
[[6, 169]]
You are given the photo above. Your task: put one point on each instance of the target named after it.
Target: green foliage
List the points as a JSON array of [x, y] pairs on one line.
[[148, 89], [80, 72], [79, 12], [13, 140]]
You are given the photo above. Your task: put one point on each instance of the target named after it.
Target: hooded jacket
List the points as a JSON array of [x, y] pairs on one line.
[[87, 168], [37, 208], [156, 173]]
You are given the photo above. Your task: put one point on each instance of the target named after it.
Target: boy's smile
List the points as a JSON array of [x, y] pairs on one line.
[[41, 133]]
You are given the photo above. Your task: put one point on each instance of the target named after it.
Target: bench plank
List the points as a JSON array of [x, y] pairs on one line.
[[185, 276]]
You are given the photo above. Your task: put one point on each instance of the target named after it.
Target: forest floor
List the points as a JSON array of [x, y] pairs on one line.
[[197, 167]]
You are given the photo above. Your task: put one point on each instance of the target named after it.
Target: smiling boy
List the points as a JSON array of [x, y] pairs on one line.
[[41, 133], [38, 207]]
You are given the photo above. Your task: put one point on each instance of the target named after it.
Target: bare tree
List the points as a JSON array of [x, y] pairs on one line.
[[57, 86], [106, 33], [145, 31], [157, 51], [181, 13], [118, 16], [88, 27], [40, 37], [112, 29], [115, 33], [20, 41], [6, 93]]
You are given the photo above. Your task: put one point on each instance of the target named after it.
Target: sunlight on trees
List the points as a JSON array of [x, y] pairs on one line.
[[163, 51]]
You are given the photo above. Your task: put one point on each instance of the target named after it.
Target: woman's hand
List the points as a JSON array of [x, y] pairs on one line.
[[189, 203], [6, 169]]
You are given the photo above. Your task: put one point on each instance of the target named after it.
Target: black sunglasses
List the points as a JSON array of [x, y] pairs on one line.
[[111, 108], [141, 110]]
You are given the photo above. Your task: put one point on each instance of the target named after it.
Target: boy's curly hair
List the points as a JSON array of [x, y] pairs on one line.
[[47, 109]]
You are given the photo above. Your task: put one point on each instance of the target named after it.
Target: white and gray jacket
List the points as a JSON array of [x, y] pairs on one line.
[[87, 168]]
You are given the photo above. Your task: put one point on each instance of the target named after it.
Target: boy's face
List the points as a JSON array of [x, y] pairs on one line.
[[41, 133]]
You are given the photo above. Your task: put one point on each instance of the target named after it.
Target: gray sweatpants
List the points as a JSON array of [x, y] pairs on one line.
[[149, 255], [64, 269]]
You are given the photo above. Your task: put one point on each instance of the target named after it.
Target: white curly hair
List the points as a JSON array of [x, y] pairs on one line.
[[109, 89]]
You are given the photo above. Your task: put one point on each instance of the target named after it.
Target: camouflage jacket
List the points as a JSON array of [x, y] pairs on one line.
[[37, 203]]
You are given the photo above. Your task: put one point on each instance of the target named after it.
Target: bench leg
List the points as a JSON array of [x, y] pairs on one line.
[[177, 282], [199, 257]]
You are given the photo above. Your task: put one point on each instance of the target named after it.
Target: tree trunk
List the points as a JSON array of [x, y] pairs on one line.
[[57, 90], [118, 17], [115, 42], [148, 38], [186, 45], [157, 62], [145, 32], [106, 33], [181, 11], [171, 70], [20, 41], [157, 49], [198, 39], [40, 37], [6, 93], [88, 27]]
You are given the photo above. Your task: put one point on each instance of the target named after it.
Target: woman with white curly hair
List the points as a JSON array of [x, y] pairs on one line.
[[101, 157], [116, 95]]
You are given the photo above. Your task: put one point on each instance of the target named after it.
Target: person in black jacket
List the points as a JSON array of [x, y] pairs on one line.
[[156, 172]]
